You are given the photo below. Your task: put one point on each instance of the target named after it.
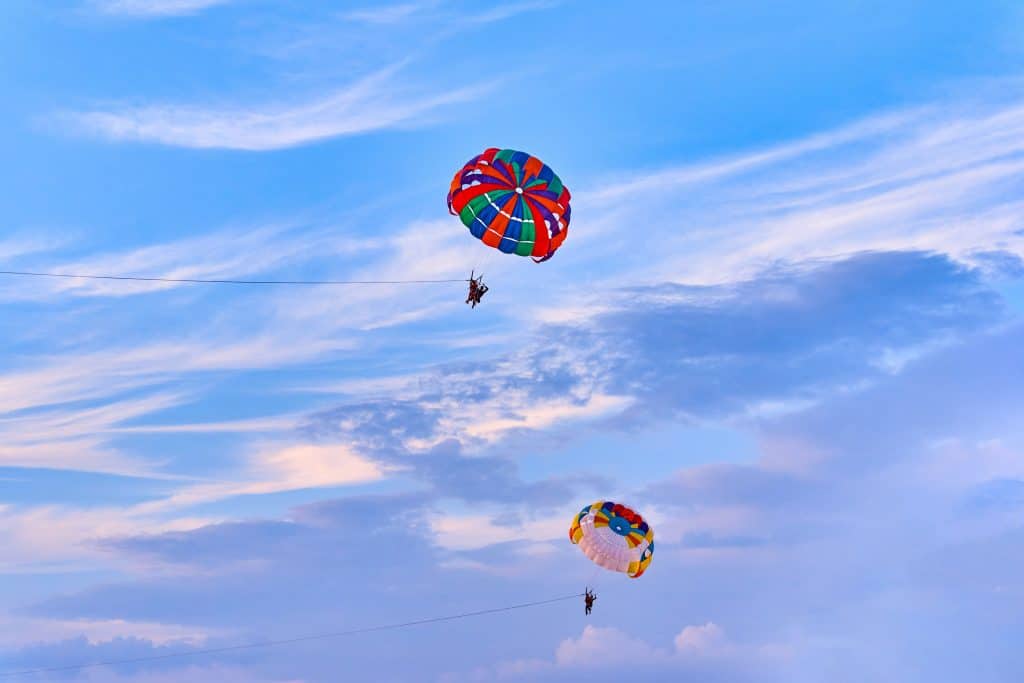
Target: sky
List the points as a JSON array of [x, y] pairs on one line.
[[787, 326]]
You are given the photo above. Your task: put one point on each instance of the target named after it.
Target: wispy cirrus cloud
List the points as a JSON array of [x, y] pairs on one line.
[[76, 535], [388, 14], [72, 438], [19, 246], [502, 12], [155, 8], [56, 537], [59, 538], [743, 528], [279, 468], [66, 407], [229, 253], [429, 22], [375, 102], [941, 178]]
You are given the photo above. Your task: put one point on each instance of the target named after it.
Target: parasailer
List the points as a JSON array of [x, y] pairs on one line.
[[477, 289], [615, 537], [512, 202], [588, 600]]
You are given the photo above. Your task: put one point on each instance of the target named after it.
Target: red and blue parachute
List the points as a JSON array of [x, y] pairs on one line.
[[513, 202]]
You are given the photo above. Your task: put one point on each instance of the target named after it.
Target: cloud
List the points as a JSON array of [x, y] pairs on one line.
[[702, 652], [350, 563], [700, 640], [469, 532], [45, 539], [787, 335], [48, 537], [259, 425], [375, 102], [787, 338], [876, 383], [830, 296], [693, 353], [379, 31], [280, 468], [50, 426], [220, 255], [913, 470], [331, 561], [503, 12], [826, 520], [76, 652], [155, 8], [918, 465], [24, 632], [193, 674], [15, 247], [70, 438], [599, 647], [83, 379], [69, 407], [941, 178], [390, 14]]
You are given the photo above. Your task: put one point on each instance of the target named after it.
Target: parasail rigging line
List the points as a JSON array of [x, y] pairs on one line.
[[287, 641], [72, 276]]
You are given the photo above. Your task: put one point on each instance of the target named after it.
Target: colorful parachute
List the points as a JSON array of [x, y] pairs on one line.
[[513, 202], [614, 537]]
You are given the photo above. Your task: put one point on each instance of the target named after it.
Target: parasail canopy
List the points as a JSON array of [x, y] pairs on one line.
[[513, 202], [614, 537]]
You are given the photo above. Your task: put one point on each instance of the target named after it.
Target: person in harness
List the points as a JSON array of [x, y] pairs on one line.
[[588, 600], [477, 289]]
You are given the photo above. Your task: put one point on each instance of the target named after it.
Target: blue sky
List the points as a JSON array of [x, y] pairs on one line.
[[786, 325]]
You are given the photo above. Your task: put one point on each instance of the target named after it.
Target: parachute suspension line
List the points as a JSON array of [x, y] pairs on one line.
[[72, 276], [485, 261], [300, 639], [595, 575], [478, 264]]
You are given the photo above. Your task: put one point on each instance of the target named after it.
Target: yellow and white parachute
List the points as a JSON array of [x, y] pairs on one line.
[[614, 537]]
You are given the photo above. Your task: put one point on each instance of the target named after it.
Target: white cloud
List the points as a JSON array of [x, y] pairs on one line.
[[608, 649], [258, 425], [704, 172], [71, 438], [21, 631], [102, 375], [502, 12], [56, 538], [389, 14], [229, 254], [701, 640], [22, 245], [155, 8], [470, 532], [53, 538], [195, 673], [276, 469], [63, 409], [600, 647], [942, 178], [375, 102], [492, 422], [939, 185]]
